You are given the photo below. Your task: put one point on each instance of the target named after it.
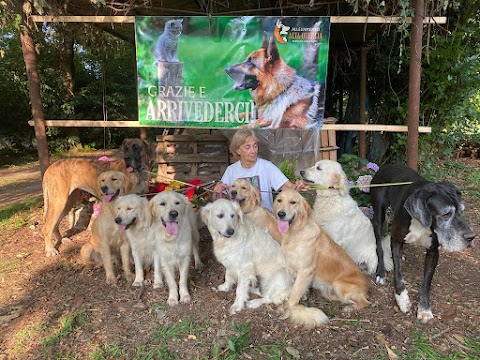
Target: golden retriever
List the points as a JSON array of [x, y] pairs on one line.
[[314, 258], [106, 236], [247, 195], [175, 231], [337, 213], [133, 216], [249, 254]]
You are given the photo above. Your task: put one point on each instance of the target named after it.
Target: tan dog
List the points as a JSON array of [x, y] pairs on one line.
[[106, 237], [64, 178], [133, 215], [314, 257], [243, 192], [175, 231]]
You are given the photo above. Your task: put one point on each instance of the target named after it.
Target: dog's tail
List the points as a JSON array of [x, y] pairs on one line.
[[308, 317]]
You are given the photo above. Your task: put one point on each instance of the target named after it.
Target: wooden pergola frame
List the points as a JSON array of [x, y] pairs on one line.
[[412, 128]]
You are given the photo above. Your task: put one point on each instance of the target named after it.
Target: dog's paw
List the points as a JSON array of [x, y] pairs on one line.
[[172, 302], [379, 280], [130, 277], [255, 303], [111, 280], [51, 252], [224, 287], [424, 315], [158, 285], [137, 283], [403, 301], [236, 308], [185, 298]]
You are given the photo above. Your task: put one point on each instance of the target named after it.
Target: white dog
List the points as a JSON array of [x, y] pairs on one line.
[[248, 252], [133, 217], [339, 216], [175, 232]]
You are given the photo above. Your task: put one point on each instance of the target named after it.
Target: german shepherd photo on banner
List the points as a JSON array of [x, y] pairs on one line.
[[283, 99]]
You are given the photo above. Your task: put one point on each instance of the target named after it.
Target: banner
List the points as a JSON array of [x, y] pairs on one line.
[[229, 72]]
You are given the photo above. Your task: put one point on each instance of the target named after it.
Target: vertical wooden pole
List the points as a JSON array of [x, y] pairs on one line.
[[362, 138], [29, 56], [415, 74]]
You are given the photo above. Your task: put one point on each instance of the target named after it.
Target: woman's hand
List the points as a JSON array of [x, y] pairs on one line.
[[300, 186], [220, 187]]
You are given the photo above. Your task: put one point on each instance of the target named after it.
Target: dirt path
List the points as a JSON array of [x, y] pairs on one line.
[[17, 183]]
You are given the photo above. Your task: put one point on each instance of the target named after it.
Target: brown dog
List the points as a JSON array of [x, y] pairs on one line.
[[314, 258], [106, 238], [243, 192], [64, 178], [283, 99]]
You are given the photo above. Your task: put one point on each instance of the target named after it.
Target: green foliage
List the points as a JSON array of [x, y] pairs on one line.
[[356, 169], [67, 325], [287, 167], [15, 216]]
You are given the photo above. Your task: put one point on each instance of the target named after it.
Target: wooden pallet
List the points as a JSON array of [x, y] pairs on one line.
[[185, 157], [328, 141]]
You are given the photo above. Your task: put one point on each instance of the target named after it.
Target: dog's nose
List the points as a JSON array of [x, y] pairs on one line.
[[469, 236], [173, 214], [281, 214], [118, 220], [230, 232], [104, 189], [302, 173], [233, 193]]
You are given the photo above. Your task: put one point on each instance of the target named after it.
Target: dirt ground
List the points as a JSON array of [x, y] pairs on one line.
[[36, 292]]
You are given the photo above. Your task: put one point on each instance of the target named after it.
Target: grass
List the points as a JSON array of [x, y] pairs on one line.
[[24, 336], [16, 215], [67, 325]]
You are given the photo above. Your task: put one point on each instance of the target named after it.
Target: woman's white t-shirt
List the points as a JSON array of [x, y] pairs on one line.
[[264, 175]]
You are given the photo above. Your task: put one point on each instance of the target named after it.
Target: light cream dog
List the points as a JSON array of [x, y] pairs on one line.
[[243, 192], [64, 178], [314, 258], [174, 229], [133, 216], [249, 254], [337, 213], [106, 237]]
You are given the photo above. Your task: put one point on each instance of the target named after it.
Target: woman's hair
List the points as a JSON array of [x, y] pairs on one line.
[[240, 137]]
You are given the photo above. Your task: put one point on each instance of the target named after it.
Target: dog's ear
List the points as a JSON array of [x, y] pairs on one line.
[[416, 206], [205, 212], [125, 144], [152, 208], [305, 211], [145, 211], [339, 181], [272, 51], [256, 196], [239, 211]]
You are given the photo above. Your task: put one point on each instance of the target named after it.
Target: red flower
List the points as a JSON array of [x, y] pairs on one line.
[[156, 188], [192, 189]]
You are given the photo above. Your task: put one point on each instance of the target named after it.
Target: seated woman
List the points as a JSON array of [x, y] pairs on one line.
[[262, 173]]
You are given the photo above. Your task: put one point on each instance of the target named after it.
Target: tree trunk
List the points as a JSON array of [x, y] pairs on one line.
[[29, 56], [415, 74]]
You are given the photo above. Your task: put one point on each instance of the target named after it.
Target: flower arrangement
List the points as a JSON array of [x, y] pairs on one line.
[[194, 190], [359, 173]]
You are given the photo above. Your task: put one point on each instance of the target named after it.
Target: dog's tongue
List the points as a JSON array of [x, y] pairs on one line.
[[130, 169], [172, 228], [108, 198], [122, 228], [283, 226]]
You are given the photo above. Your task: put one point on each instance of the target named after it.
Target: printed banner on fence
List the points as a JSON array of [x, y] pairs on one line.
[[229, 72]]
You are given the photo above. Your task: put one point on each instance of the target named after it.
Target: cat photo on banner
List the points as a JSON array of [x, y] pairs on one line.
[[166, 47]]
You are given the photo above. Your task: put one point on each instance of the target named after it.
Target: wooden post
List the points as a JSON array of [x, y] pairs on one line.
[[415, 72], [29, 56], [362, 138]]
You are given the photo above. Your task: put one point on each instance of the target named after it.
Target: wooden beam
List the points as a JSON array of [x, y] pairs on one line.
[[136, 124], [333, 19]]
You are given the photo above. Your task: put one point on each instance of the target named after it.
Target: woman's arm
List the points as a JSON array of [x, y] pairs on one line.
[[299, 186]]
